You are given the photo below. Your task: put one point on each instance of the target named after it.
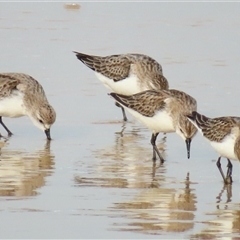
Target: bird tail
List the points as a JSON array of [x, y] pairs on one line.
[[89, 60], [122, 99]]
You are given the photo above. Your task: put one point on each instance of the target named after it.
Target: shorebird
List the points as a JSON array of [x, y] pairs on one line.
[[162, 111], [223, 133], [22, 95], [126, 74]]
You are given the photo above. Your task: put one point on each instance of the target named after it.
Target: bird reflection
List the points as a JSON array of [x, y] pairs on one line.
[[123, 129], [23, 172], [157, 210], [3, 144], [158, 205], [225, 220], [155, 179], [123, 164], [130, 142], [228, 189]]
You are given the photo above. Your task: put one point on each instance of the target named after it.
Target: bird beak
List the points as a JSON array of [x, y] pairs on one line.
[[188, 144], [47, 132]]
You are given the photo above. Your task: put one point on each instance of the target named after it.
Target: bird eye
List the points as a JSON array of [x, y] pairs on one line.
[[40, 121], [181, 130]]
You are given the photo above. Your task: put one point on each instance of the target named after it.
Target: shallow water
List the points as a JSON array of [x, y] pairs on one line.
[[96, 179]]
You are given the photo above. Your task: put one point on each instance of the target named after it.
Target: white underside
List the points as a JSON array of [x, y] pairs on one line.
[[224, 148], [12, 106], [128, 86], [161, 122]]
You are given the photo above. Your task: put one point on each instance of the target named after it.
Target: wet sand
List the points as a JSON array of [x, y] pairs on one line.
[[96, 178]]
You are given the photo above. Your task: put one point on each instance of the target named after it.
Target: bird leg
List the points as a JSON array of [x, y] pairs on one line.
[[123, 111], [155, 149], [220, 168], [228, 178], [229, 172], [9, 132]]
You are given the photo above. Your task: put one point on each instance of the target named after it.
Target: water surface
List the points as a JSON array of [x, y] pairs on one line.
[[96, 178]]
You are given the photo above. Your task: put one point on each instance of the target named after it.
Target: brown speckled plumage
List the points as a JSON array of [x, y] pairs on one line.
[[162, 111], [215, 129], [126, 74], [224, 136], [24, 88], [119, 67], [21, 82], [149, 102], [146, 103]]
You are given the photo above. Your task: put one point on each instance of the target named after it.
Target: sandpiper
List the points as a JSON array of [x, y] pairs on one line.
[[162, 111], [223, 133], [126, 74], [22, 95]]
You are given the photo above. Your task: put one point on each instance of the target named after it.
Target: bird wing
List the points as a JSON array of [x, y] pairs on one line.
[[115, 67], [216, 129], [146, 103], [223, 126], [8, 83]]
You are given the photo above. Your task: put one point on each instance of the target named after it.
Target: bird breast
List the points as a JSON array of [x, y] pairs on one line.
[[12, 106]]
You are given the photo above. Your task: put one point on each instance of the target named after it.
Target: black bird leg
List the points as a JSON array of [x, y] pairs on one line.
[[229, 172], [155, 149], [228, 178], [220, 168], [123, 111], [9, 132]]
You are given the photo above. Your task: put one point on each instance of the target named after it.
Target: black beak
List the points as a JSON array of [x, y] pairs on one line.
[[47, 132], [188, 144]]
